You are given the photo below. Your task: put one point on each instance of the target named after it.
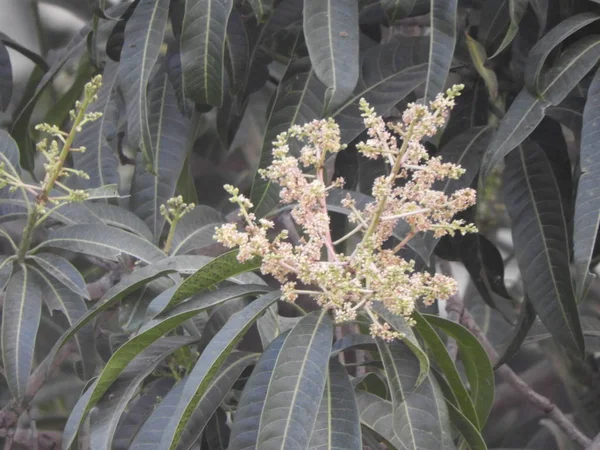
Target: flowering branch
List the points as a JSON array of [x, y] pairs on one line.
[[173, 211], [347, 284]]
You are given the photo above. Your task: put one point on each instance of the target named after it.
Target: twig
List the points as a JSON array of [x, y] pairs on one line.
[[541, 402]]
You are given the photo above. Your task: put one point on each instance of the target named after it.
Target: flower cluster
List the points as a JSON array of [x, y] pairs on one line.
[[348, 283]]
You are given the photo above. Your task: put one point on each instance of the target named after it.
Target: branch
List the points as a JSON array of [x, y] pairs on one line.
[[541, 402]]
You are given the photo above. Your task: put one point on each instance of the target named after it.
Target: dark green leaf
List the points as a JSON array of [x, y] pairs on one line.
[[338, 422], [144, 35], [63, 271], [6, 78], [542, 49], [350, 341], [262, 9], [516, 11], [9, 157], [108, 411], [99, 137], [168, 131], [150, 333], [102, 241], [247, 417], [59, 298], [399, 324], [196, 229], [446, 364], [494, 19], [21, 313], [115, 216], [238, 51], [208, 364], [377, 415], [541, 244], [527, 111], [20, 128], [331, 33], [442, 40], [297, 384], [466, 428], [527, 318], [476, 363], [569, 113], [587, 203], [217, 432], [203, 49], [32, 56], [399, 9], [420, 416], [6, 269], [221, 384], [208, 276]]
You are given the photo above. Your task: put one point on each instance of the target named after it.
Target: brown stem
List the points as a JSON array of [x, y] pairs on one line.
[[541, 402]]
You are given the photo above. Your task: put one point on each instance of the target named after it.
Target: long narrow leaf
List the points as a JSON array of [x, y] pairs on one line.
[[6, 79], [21, 313], [377, 415], [61, 269]]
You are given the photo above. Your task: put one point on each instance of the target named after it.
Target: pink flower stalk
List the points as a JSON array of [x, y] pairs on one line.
[[347, 284]]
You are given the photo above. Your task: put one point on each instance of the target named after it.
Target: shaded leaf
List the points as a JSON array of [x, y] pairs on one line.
[[6, 78], [217, 432], [144, 35], [208, 364], [60, 298], [446, 364], [203, 50], [99, 137], [541, 244], [31, 55], [196, 229], [420, 416], [587, 203], [297, 384], [527, 111], [466, 428], [476, 363], [168, 133], [6, 269], [219, 387], [516, 11], [262, 9], [331, 34], [494, 19], [115, 216], [526, 320], [21, 313], [399, 9], [542, 49], [442, 40], [9, 157], [63, 271], [338, 423], [247, 417], [101, 241], [377, 414]]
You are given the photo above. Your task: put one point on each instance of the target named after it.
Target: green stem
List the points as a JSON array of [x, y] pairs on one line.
[[169, 241]]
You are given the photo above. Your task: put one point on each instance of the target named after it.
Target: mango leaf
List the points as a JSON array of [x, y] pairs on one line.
[[338, 422], [476, 363], [399, 9], [196, 229], [9, 157], [31, 55], [149, 334], [108, 412], [115, 216], [262, 9], [203, 50], [244, 431], [20, 129], [217, 432], [466, 428], [516, 11], [569, 113], [297, 383], [6, 79], [59, 298], [99, 137], [101, 241], [238, 52], [527, 317], [542, 49], [527, 111], [331, 34], [446, 364], [62, 270], [21, 313], [144, 35], [208, 364], [168, 132], [420, 416], [399, 324], [479, 58], [220, 386], [214, 272], [6, 269], [541, 244], [493, 21], [377, 415], [587, 203], [442, 40]]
